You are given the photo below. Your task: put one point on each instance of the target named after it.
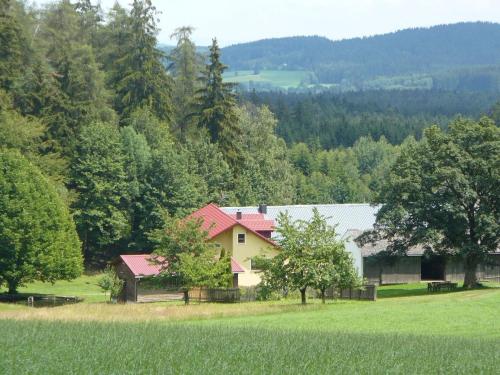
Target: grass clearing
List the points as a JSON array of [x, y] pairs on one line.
[[455, 332], [278, 78]]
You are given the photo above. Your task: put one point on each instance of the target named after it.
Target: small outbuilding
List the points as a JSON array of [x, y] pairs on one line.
[[138, 273]]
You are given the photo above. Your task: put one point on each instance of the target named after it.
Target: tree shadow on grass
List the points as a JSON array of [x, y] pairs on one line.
[[411, 290]]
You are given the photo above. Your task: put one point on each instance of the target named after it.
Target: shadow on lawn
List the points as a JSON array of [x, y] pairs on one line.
[[38, 300], [410, 290]]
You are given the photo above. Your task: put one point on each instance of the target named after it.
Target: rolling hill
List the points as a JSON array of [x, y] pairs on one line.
[[462, 56]]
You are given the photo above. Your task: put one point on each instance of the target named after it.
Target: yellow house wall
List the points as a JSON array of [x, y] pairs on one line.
[[242, 253]]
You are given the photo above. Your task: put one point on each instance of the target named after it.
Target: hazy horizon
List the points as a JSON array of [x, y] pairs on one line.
[[235, 21]]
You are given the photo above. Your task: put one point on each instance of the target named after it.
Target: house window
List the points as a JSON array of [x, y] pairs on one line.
[[241, 237]]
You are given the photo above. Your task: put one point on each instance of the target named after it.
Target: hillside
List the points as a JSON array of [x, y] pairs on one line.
[[456, 56]]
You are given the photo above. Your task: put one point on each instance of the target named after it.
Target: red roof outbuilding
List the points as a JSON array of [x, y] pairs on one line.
[[143, 265]]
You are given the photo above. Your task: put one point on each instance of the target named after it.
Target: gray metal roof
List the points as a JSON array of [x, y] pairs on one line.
[[360, 216], [372, 249], [351, 220]]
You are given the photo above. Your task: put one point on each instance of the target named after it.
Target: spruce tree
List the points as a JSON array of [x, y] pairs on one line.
[[216, 107], [185, 66], [139, 76], [81, 97]]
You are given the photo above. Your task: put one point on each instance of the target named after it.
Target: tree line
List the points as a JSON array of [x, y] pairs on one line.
[[330, 119], [116, 140], [461, 56], [85, 96]]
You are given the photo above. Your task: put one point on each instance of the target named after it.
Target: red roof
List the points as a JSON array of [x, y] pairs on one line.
[[257, 222], [235, 267], [216, 221], [143, 265]]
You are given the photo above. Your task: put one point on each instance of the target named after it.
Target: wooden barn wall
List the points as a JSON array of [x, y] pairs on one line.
[[400, 270], [157, 295], [130, 283], [404, 270], [454, 270], [491, 270]]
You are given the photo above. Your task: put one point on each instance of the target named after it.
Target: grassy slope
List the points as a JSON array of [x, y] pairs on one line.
[[449, 333], [279, 78]]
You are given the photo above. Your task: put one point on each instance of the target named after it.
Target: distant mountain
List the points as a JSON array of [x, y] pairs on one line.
[[456, 56]]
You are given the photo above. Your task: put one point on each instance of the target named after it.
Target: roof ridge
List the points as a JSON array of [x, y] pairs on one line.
[[304, 205]]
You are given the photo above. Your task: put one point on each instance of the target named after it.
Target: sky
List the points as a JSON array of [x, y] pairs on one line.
[[237, 21]]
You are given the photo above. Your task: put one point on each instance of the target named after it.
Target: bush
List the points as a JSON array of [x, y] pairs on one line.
[[110, 283]]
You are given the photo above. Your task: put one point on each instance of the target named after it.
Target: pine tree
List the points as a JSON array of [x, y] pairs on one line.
[[216, 107], [185, 66], [90, 18], [12, 47], [139, 76], [81, 97]]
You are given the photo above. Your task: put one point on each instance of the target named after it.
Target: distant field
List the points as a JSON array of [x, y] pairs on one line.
[[285, 79], [410, 331], [278, 78]]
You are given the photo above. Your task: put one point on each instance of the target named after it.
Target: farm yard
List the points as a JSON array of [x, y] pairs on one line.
[[406, 331]]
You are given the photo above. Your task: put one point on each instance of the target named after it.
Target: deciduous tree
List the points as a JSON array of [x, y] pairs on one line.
[[311, 256], [443, 193], [38, 240], [183, 247], [99, 178]]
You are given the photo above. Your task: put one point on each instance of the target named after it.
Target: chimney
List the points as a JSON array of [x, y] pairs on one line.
[[238, 215], [262, 209]]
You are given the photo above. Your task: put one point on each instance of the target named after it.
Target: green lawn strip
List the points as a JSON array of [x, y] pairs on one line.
[[119, 348], [472, 314], [84, 287]]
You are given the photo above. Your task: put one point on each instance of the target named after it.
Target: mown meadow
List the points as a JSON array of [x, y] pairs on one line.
[[405, 331]]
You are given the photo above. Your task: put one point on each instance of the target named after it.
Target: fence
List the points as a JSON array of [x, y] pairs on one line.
[[214, 294], [367, 292], [39, 300]]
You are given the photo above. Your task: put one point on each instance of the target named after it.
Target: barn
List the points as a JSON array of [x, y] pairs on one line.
[[351, 220]]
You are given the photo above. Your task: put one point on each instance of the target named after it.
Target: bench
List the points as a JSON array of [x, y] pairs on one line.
[[439, 286]]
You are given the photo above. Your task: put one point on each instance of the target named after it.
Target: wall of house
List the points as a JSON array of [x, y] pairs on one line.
[[243, 253], [225, 240], [357, 257], [397, 271]]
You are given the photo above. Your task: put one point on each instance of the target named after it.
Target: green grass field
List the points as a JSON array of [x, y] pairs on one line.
[[277, 78], [406, 331]]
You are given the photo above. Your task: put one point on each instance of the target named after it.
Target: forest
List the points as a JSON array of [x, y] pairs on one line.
[[128, 136], [330, 119], [461, 56]]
